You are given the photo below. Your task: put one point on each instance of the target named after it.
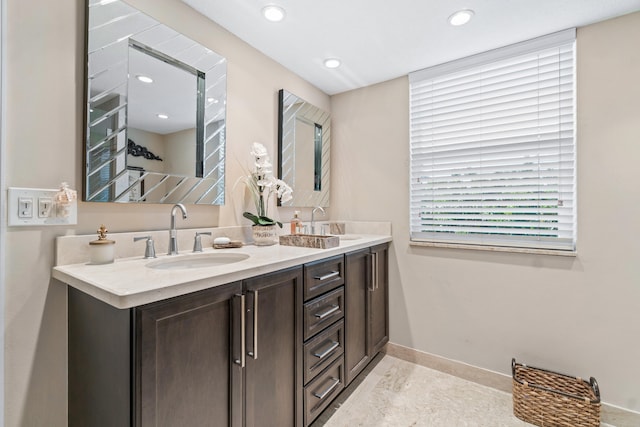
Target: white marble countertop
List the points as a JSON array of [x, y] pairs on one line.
[[128, 282]]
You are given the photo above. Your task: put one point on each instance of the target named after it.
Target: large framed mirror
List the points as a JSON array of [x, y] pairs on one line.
[[155, 111], [304, 146]]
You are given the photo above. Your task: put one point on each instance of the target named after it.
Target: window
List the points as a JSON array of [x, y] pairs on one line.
[[493, 148]]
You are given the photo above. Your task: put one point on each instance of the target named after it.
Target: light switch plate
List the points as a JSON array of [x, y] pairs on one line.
[[25, 207], [45, 207], [37, 206]]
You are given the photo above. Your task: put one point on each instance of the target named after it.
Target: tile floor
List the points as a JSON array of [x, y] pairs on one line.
[[397, 393]]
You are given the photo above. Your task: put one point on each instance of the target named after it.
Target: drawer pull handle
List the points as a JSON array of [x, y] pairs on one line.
[[327, 276], [332, 310], [324, 354], [324, 394]]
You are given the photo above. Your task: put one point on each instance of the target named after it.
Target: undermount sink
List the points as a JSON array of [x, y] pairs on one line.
[[349, 237], [196, 261]]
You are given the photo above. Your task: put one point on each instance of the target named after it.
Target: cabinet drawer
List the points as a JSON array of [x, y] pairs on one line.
[[323, 276], [322, 390], [322, 312], [323, 349]]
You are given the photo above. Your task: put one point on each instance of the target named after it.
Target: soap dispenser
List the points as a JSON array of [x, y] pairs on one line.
[[102, 251], [296, 224]]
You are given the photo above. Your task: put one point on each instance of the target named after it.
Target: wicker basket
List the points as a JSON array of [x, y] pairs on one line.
[[550, 399]]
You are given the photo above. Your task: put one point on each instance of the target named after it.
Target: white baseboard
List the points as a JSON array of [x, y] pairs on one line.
[[610, 414]]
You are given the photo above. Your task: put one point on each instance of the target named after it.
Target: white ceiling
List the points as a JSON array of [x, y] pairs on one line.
[[378, 40]]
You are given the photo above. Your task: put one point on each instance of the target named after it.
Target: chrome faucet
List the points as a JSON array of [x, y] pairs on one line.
[[313, 221], [173, 233]]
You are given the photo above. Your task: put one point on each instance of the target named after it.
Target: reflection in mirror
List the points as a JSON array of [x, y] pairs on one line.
[[304, 146], [156, 107], [161, 82]]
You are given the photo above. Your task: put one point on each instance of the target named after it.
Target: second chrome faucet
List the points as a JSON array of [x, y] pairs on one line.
[[313, 220], [173, 232]]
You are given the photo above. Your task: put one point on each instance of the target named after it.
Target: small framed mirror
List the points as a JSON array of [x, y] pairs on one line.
[[156, 111], [304, 146]]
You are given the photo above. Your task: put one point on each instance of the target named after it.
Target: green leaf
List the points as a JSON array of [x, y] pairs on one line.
[[263, 220], [260, 220], [255, 219]]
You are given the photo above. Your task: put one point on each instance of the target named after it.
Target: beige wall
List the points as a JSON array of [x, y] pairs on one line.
[[45, 43], [577, 315], [180, 152]]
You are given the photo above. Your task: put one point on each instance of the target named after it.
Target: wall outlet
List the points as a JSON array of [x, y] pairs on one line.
[[37, 206]]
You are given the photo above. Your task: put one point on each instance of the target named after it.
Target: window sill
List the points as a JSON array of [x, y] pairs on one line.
[[495, 248]]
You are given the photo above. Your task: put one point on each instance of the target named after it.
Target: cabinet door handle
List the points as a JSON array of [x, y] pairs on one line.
[[376, 278], [372, 273], [254, 353], [324, 354], [327, 276], [243, 328], [324, 314], [324, 394]]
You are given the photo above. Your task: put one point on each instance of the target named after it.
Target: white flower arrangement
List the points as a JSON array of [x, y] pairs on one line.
[[262, 184]]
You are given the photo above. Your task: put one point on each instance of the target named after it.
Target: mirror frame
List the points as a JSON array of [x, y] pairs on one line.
[[116, 182], [291, 108]]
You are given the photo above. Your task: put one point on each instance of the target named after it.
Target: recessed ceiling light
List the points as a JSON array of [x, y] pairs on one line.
[[332, 62], [461, 17], [162, 116], [273, 13], [144, 79]]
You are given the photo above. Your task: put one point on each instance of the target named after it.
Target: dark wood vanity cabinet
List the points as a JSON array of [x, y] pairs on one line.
[[272, 350], [367, 308], [225, 356]]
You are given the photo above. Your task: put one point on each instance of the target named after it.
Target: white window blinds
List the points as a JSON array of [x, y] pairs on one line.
[[493, 147]]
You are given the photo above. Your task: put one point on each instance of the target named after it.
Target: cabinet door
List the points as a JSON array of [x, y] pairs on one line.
[[357, 277], [273, 377], [378, 323], [185, 360]]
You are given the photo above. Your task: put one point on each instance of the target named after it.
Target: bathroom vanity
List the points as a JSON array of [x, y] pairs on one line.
[[269, 340]]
